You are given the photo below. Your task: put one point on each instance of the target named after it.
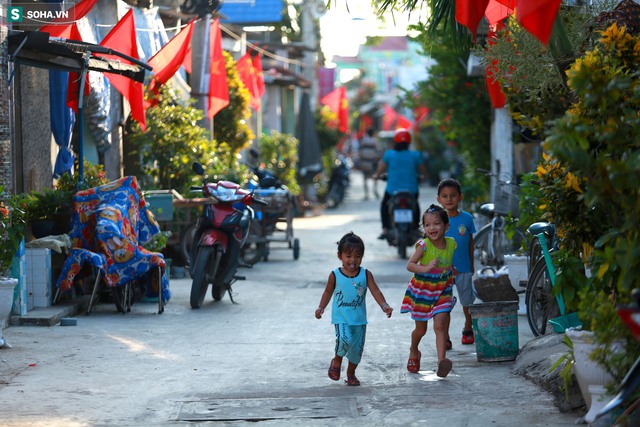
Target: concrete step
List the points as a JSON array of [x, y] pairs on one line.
[[49, 316]]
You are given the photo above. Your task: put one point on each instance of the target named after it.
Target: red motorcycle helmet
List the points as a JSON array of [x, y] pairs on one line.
[[402, 136]]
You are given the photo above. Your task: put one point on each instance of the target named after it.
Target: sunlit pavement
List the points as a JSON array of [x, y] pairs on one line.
[[264, 359]]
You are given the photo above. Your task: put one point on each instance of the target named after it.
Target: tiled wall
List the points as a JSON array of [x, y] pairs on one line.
[[39, 277]]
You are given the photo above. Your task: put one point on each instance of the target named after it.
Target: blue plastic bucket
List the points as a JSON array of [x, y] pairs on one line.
[[495, 326]]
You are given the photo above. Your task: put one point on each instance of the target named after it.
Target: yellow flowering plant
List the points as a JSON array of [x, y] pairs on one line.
[[595, 160]]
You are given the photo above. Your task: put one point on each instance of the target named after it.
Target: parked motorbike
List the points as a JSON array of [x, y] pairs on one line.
[[628, 390], [338, 182], [221, 231]]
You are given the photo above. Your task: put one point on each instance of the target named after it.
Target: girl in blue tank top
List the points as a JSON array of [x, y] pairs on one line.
[[348, 286]]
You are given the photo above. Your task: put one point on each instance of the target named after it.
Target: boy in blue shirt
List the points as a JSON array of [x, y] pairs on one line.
[[461, 228]]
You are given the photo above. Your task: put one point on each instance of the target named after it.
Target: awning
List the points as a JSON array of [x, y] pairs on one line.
[[36, 49]]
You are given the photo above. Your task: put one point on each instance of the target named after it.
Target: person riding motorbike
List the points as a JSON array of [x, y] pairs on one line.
[[404, 168]]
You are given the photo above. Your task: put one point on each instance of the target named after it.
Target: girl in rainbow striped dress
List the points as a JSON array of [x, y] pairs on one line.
[[430, 293]]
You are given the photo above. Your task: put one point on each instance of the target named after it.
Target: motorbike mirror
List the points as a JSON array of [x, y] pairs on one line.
[[197, 168], [268, 181]]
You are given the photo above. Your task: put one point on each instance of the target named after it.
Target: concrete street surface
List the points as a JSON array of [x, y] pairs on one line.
[[264, 360]]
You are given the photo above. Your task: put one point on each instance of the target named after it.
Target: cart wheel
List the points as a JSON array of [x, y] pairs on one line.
[[255, 246], [296, 248]]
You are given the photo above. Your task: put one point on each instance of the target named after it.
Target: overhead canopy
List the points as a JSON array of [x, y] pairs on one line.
[[36, 49]]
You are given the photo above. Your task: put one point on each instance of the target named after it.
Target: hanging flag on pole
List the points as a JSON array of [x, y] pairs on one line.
[[469, 13], [59, 26], [218, 84], [497, 10], [257, 66], [168, 60], [123, 38], [338, 103], [247, 75], [537, 17], [496, 95]]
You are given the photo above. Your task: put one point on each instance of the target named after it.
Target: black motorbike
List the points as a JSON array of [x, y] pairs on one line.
[[402, 231], [338, 182]]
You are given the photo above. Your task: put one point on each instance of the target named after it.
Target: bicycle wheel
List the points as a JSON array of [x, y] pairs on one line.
[[540, 301], [491, 244]]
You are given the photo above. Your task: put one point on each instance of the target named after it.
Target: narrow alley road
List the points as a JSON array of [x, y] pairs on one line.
[[263, 359]]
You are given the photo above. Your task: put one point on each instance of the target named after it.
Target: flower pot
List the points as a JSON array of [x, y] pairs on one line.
[[43, 228], [7, 286], [591, 377]]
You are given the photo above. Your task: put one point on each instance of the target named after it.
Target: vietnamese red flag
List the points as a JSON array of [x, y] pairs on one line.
[[388, 118], [403, 122], [71, 32], [77, 11], [187, 61], [168, 60], [470, 12], [365, 123], [247, 75], [496, 94], [497, 10], [122, 38], [218, 84], [537, 17], [257, 66], [336, 100]]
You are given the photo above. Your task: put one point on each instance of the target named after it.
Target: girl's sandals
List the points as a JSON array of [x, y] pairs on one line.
[[334, 373], [444, 367], [413, 365], [352, 380]]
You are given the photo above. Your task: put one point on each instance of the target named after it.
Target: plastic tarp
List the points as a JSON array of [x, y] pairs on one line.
[[110, 224]]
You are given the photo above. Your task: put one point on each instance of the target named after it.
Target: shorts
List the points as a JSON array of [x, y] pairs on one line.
[[350, 341], [464, 286]]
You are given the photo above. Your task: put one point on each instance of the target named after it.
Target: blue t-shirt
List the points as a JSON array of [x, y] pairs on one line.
[[402, 170], [349, 298], [461, 228]]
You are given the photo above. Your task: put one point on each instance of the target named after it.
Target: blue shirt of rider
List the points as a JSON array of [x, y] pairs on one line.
[[402, 170]]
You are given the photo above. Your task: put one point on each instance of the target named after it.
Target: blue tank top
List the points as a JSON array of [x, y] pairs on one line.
[[349, 298]]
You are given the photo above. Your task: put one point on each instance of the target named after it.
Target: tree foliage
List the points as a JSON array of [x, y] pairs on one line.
[[173, 140]]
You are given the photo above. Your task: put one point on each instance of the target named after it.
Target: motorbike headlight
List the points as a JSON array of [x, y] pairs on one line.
[[225, 194]]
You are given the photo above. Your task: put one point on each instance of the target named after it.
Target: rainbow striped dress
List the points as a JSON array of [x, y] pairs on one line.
[[431, 293]]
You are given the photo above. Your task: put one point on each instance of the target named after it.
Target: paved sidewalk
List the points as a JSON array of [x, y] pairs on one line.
[[263, 359]]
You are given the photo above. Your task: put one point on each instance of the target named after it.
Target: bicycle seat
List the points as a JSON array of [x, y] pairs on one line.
[[487, 209], [541, 227]]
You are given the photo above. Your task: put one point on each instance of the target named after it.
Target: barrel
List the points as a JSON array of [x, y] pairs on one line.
[[495, 326]]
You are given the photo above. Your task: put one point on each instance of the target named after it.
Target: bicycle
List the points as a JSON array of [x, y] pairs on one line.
[[492, 242], [546, 310]]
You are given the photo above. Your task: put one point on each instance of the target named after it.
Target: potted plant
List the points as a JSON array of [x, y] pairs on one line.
[[48, 212]]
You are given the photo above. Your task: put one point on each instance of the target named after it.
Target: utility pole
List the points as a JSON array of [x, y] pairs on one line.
[[200, 68]]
